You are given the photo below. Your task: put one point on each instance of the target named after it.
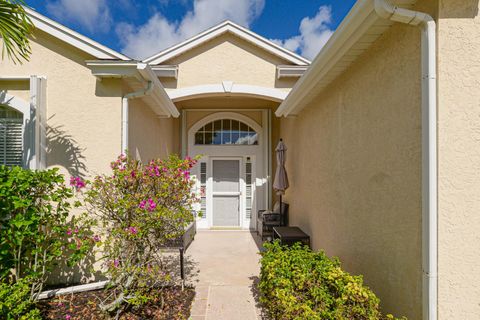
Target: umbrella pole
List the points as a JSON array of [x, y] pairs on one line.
[[281, 213]]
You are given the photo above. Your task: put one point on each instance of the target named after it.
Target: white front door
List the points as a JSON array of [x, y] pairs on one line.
[[231, 180], [226, 192]]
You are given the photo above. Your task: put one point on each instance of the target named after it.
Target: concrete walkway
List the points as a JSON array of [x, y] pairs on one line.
[[223, 267]]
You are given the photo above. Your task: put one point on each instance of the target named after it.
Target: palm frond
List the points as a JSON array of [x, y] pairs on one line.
[[15, 29]]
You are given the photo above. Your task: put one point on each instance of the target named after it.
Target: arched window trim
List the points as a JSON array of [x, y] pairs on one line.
[[226, 131], [225, 115]]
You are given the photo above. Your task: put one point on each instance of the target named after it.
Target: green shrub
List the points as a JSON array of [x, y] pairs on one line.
[[35, 229], [297, 283], [15, 302]]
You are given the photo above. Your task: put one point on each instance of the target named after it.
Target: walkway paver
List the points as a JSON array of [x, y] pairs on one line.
[[223, 267]]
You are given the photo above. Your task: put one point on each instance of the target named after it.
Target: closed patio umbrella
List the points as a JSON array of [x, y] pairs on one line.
[[280, 184]]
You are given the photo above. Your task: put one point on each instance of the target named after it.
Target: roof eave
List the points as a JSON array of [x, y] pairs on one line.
[[73, 38], [162, 105], [224, 27], [360, 28]]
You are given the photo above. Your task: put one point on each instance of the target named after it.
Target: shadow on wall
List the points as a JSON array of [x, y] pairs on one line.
[[462, 9], [63, 150], [84, 272]]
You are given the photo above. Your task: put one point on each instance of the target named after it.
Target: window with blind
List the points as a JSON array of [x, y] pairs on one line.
[[11, 137]]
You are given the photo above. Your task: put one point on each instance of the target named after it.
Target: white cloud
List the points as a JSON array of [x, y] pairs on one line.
[[314, 33], [159, 33], [93, 15]]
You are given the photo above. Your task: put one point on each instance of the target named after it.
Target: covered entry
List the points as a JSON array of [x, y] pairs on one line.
[[231, 178]]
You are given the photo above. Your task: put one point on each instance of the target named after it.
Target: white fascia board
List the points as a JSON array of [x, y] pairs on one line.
[[289, 71], [344, 37], [227, 26], [166, 71], [112, 69], [361, 23], [161, 97], [73, 38], [232, 89], [162, 105]]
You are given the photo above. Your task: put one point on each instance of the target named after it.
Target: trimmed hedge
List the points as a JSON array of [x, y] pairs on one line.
[[297, 283]]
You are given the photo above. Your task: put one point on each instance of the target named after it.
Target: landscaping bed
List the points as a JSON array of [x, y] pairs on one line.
[[85, 305]]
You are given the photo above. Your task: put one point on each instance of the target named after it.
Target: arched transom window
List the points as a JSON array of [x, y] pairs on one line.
[[226, 131]]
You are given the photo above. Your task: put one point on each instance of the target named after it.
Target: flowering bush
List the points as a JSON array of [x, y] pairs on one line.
[[36, 232], [141, 207]]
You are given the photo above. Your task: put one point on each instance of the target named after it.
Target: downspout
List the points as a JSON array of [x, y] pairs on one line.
[[389, 11], [125, 109]]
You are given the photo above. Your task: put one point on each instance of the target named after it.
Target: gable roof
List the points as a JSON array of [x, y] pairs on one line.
[[73, 38], [222, 28]]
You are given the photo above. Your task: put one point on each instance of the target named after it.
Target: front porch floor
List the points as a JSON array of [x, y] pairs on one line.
[[223, 266]]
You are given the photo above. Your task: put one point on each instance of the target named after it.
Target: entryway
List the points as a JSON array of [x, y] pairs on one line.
[[227, 270], [231, 175]]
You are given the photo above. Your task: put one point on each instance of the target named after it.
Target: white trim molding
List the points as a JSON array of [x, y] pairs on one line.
[[227, 88], [223, 115], [289, 71], [161, 103], [73, 38], [235, 29]]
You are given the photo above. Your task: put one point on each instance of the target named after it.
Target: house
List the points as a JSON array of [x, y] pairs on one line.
[[382, 129]]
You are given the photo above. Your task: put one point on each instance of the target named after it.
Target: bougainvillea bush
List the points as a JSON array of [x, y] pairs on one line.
[[298, 283], [36, 233], [139, 207]]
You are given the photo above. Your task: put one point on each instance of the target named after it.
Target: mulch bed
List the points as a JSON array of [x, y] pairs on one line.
[[84, 306]]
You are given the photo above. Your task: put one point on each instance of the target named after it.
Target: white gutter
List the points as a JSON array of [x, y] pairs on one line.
[[125, 107], [429, 147]]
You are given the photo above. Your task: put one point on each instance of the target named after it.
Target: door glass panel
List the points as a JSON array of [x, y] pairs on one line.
[[226, 176]]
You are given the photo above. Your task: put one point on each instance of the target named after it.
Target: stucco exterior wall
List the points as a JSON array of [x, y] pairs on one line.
[[354, 163], [84, 116], [150, 137], [227, 58], [459, 159]]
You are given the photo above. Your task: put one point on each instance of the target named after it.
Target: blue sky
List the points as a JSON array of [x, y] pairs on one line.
[[142, 28]]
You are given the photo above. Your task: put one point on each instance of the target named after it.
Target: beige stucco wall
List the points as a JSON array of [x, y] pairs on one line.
[[227, 58], [459, 159], [84, 116], [354, 162], [150, 137]]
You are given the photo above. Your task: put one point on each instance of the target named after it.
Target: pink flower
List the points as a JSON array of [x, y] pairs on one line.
[[115, 263], [132, 174], [68, 317], [76, 230], [96, 238], [132, 230], [142, 204], [77, 182], [164, 169], [69, 232], [151, 205]]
